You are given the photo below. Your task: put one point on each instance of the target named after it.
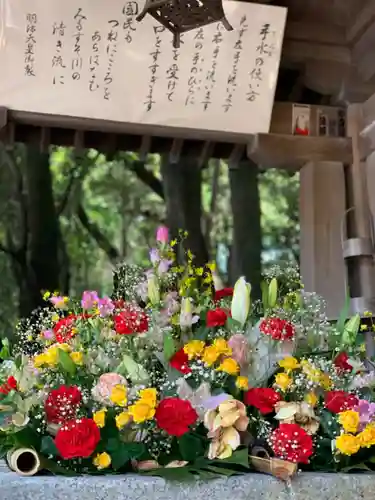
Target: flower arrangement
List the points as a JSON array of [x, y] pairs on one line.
[[171, 378]]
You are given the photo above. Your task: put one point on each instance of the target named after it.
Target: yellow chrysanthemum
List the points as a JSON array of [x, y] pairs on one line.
[[311, 399], [349, 420], [40, 360], [122, 419], [119, 395], [51, 356], [148, 396], [194, 348], [367, 436], [289, 363], [141, 411], [347, 444], [77, 357], [210, 355], [326, 382], [242, 383], [102, 460], [283, 381], [99, 417], [230, 366], [222, 347]]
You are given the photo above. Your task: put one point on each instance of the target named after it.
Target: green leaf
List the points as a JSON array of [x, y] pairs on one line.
[[329, 424], [343, 313], [351, 330], [264, 289], [119, 458], [173, 474], [190, 446], [48, 446], [66, 363], [361, 466], [5, 349], [272, 293], [169, 346], [222, 470], [239, 457], [121, 453], [133, 370]]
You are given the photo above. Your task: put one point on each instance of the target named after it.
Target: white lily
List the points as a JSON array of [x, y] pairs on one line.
[[241, 301]]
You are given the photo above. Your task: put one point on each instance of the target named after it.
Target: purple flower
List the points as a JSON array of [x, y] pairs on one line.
[[154, 256], [48, 334], [366, 412], [164, 265], [214, 401], [106, 307], [59, 301], [89, 299], [162, 234]]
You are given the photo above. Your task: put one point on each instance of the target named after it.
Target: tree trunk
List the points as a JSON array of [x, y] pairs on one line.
[[182, 191], [247, 234], [43, 227]]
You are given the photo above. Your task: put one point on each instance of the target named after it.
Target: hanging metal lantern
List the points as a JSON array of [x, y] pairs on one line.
[[180, 16]]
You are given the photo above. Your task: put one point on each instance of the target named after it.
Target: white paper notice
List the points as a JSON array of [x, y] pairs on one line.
[[92, 59]]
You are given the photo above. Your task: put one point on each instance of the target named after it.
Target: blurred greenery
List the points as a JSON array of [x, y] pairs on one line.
[[107, 213]]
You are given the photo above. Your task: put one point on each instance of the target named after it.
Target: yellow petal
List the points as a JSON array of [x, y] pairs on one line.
[[231, 437]]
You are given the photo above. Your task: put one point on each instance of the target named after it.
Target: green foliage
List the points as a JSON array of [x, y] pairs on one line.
[[108, 214]]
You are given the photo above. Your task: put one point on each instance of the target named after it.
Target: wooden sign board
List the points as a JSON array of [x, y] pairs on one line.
[[93, 60]]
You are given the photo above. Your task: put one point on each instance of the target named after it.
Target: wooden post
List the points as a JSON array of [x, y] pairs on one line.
[[361, 273], [322, 210]]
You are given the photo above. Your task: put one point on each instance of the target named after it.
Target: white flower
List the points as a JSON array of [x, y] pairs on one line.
[[241, 301]]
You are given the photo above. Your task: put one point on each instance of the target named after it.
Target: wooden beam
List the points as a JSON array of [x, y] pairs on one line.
[[315, 32], [362, 21], [301, 51], [292, 152]]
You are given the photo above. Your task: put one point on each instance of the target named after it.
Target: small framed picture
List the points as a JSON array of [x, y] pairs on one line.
[[301, 119]]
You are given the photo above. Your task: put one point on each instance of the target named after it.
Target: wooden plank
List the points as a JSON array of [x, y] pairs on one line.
[[322, 212], [292, 152]]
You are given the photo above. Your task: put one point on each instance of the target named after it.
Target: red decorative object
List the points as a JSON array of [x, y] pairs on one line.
[[263, 398], [131, 320], [216, 317], [62, 404], [77, 438], [175, 415], [292, 443], [338, 401], [180, 361], [278, 329], [222, 294]]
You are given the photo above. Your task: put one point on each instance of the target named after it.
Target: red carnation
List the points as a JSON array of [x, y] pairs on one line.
[[62, 404], [10, 385], [341, 362], [180, 361], [77, 438], [278, 329], [291, 442], [64, 329], [131, 320], [222, 294], [216, 317], [174, 415], [338, 401], [263, 398]]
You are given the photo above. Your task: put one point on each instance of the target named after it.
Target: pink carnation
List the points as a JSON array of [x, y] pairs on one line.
[[103, 389]]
